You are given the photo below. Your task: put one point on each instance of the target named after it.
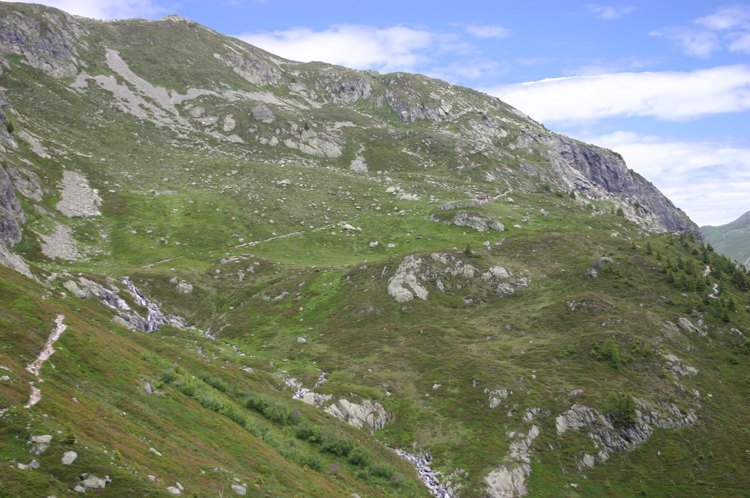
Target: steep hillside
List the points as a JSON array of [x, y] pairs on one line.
[[732, 239], [234, 274]]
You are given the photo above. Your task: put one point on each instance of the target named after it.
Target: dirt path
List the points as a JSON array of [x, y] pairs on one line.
[[47, 351]]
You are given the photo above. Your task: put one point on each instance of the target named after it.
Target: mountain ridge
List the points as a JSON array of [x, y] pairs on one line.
[[732, 239]]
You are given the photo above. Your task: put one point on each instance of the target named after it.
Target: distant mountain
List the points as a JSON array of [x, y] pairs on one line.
[[732, 239]]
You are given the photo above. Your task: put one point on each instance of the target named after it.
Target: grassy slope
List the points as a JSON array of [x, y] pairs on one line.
[[541, 343]]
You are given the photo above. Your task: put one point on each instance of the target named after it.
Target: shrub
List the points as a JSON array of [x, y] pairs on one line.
[[621, 408], [383, 470], [308, 432], [335, 444], [268, 407], [359, 457]]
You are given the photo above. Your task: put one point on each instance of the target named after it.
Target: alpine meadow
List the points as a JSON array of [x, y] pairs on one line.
[[228, 274]]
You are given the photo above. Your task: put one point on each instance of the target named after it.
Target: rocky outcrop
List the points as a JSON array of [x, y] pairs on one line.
[[405, 275], [475, 221], [607, 171], [253, 68], [46, 40], [14, 262], [11, 212], [364, 414], [509, 480], [609, 439], [263, 114]]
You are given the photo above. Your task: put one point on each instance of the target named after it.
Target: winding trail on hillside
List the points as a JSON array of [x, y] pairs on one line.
[[47, 351]]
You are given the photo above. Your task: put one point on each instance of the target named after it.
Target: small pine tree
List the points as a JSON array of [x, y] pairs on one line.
[[731, 305], [9, 127], [658, 255], [689, 304], [725, 317], [649, 252], [620, 212], [611, 353]]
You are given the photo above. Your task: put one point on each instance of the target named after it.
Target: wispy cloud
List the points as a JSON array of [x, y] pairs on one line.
[[601, 66], [469, 69], [709, 179], [398, 48], [698, 43], [607, 13], [727, 28], [107, 9], [488, 31], [669, 95], [724, 18]]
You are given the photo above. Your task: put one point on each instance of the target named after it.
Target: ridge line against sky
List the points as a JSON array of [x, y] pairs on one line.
[[666, 84]]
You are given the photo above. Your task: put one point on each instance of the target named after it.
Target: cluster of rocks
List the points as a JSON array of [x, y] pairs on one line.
[[609, 439], [127, 317], [509, 480], [475, 221], [410, 278], [366, 413]]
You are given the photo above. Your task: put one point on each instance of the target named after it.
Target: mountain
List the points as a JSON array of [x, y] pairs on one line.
[[227, 273], [732, 239]]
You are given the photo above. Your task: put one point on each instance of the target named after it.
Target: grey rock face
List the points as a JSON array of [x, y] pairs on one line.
[[11, 212], [479, 223], [252, 68], [26, 183], [14, 262], [263, 113], [405, 275], [73, 288], [607, 170], [365, 414], [49, 45]]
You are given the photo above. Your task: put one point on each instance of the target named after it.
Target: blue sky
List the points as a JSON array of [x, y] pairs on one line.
[[666, 84]]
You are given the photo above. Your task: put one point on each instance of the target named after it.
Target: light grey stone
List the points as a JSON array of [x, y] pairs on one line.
[[69, 457], [239, 490]]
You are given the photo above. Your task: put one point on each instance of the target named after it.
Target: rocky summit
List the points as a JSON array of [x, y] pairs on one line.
[[227, 273]]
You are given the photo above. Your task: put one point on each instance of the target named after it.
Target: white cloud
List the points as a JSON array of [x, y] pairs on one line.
[[669, 95], [609, 13], [728, 27], [488, 31], [106, 9], [726, 18], [708, 179], [398, 48], [690, 41]]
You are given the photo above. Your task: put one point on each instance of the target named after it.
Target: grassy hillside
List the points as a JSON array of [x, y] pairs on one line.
[[346, 299]]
